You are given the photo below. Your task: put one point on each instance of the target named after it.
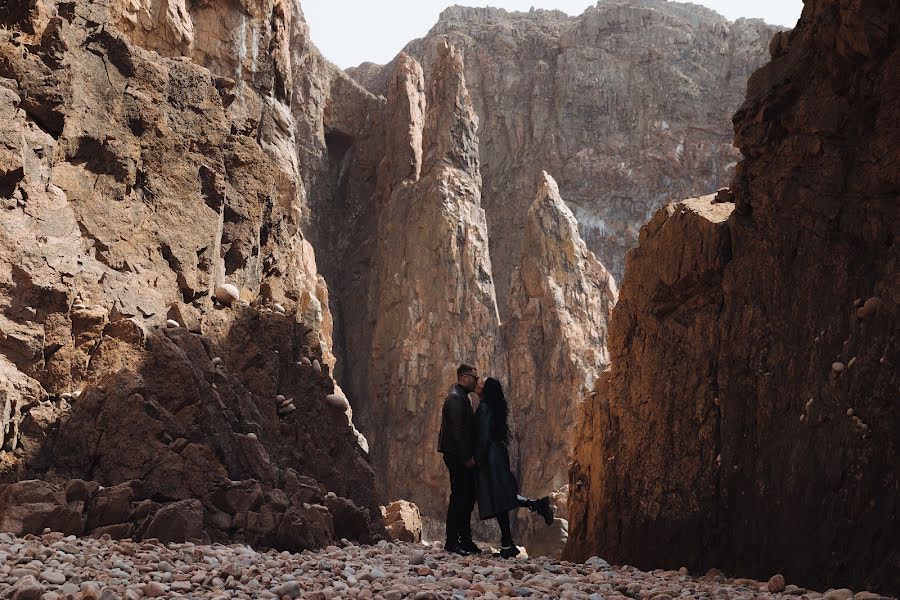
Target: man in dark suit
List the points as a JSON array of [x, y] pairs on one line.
[[457, 443]]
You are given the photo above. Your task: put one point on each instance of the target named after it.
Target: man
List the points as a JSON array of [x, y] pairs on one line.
[[457, 442]]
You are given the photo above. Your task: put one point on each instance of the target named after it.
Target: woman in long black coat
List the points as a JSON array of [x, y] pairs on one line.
[[498, 492]]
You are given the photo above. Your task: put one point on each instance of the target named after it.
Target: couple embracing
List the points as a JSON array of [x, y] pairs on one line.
[[474, 445]]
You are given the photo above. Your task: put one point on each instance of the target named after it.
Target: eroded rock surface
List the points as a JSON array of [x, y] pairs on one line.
[[133, 186], [560, 300], [749, 418], [627, 105], [435, 305]]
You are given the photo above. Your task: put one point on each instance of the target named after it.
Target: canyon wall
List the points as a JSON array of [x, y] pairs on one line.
[[149, 399], [749, 418], [627, 106], [156, 150]]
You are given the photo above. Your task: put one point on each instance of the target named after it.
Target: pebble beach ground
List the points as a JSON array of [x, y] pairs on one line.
[[54, 567]]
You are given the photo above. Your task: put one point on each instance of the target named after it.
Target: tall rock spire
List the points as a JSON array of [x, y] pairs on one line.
[[435, 304], [561, 299]]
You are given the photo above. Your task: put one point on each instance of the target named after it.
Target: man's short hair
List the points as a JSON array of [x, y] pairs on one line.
[[463, 369]]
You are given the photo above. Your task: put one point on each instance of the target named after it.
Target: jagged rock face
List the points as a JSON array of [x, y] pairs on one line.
[[133, 185], [560, 300], [749, 419], [435, 305], [627, 106]]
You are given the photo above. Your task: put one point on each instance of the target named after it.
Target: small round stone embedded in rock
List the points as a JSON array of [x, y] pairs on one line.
[[338, 401], [227, 294], [776, 584], [316, 366], [305, 362], [217, 361], [837, 367], [172, 324]]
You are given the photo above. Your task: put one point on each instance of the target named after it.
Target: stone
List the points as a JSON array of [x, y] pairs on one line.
[[316, 366], [403, 522], [840, 594], [27, 588], [338, 401], [177, 522], [172, 324], [305, 362], [871, 305], [227, 294], [776, 584]]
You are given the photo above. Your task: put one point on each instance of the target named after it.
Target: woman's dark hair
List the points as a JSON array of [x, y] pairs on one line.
[[493, 396]]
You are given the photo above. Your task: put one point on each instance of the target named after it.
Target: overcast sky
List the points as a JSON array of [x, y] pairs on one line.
[[349, 32]]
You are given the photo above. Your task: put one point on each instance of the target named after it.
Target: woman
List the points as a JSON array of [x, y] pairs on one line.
[[498, 491]]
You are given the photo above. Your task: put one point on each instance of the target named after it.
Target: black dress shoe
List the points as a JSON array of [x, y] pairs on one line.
[[470, 547], [508, 552], [456, 549]]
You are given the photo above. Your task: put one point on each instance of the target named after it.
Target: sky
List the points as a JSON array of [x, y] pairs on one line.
[[349, 32]]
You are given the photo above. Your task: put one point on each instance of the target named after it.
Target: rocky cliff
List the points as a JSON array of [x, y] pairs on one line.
[[164, 332], [404, 244], [560, 301], [167, 171], [749, 419], [435, 304], [627, 106]]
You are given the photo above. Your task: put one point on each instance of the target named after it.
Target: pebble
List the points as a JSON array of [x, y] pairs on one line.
[[338, 401], [316, 366], [776, 583], [51, 567], [227, 294], [837, 367], [305, 362]]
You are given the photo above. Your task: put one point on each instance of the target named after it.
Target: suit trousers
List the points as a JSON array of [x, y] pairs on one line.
[[462, 500]]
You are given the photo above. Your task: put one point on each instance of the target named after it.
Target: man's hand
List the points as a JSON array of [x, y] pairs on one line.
[[470, 463]]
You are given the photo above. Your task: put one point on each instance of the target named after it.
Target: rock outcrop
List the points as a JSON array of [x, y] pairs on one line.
[[749, 419], [133, 186], [560, 300], [627, 106], [434, 306]]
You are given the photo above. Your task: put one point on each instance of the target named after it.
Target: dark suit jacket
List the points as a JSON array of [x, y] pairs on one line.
[[457, 427]]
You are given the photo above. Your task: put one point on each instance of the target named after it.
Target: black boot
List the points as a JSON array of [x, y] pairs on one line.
[[542, 507], [509, 551], [470, 546]]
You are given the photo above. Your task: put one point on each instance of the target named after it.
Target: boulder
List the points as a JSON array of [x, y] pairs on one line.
[[177, 522], [402, 521]]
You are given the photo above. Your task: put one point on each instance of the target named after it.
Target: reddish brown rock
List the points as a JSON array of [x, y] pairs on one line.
[[177, 522], [691, 450], [402, 521], [560, 300], [439, 309], [627, 105], [133, 186], [30, 506]]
